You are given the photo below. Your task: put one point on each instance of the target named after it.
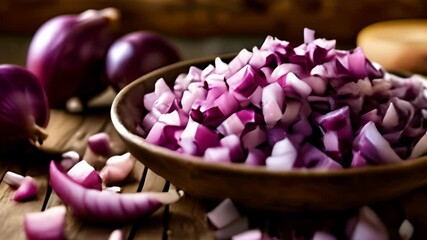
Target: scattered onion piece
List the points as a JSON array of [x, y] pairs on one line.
[[223, 214], [13, 179], [27, 190], [100, 143], [252, 234], [85, 175], [116, 235], [104, 206], [321, 235], [46, 225], [366, 225], [115, 189], [69, 159], [117, 168], [406, 230]]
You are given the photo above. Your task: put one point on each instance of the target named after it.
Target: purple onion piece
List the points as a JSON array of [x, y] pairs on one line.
[[49, 224], [27, 190]]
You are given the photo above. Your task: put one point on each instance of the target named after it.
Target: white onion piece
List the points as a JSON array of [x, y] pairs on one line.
[[406, 230], [391, 118], [252, 234], [117, 169], [368, 226], [223, 214], [48, 224], [13, 179], [272, 103], [116, 235], [420, 147], [217, 154], [69, 159], [283, 155]]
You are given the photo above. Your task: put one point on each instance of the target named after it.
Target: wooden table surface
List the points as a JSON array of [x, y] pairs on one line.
[[185, 219]]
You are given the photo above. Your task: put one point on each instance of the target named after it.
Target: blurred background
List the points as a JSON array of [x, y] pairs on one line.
[[210, 27]]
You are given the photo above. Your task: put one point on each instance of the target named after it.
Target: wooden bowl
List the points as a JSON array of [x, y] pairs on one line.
[[257, 187]]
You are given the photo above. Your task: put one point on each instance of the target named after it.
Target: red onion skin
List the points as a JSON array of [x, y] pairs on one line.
[[67, 54], [136, 54], [24, 108]]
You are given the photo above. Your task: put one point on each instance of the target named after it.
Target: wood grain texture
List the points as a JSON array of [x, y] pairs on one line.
[[188, 220], [154, 225]]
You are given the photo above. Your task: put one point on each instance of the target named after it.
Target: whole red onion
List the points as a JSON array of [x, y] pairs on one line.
[[136, 54], [24, 109], [67, 54]]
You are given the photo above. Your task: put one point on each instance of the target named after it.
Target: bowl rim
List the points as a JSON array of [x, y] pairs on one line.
[[124, 132]]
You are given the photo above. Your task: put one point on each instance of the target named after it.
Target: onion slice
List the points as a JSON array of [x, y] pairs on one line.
[[105, 206], [45, 225]]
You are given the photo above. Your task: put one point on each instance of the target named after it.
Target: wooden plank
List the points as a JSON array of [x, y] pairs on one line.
[[188, 220], [152, 226], [62, 126], [13, 212]]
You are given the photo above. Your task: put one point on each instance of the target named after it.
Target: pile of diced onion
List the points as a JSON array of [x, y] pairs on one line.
[[285, 107]]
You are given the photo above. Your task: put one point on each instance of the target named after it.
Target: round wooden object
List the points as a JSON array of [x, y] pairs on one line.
[[399, 45]]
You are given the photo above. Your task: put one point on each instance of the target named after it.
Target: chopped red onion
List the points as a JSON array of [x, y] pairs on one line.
[[100, 143], [117, 169], [223, 214], [343, 108], [283, 155], [49, 224], [27, 190], [86, 175]]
